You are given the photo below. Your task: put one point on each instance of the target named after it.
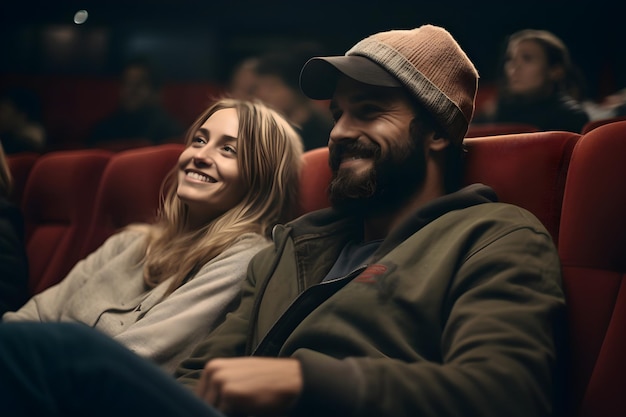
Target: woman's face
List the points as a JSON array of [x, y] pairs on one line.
[[209, 179], [526, 68]]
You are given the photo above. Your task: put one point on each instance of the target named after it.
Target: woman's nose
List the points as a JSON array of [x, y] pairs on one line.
[[202, 157]]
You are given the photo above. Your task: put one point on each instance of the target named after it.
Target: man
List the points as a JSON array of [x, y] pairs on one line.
[[140, 114], [407, 298], [276, 83]]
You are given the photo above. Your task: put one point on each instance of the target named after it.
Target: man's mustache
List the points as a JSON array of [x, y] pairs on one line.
[[338, 150]]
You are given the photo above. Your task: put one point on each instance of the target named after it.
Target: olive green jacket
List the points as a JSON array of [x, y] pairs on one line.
[[458, 313]]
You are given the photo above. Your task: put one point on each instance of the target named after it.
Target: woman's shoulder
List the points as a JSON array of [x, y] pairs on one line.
[[244, 246], [240, 252], [250, 239], [122, 241], [129, 234]]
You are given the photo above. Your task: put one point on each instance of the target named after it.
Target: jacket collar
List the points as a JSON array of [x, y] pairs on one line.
[[329, 221]]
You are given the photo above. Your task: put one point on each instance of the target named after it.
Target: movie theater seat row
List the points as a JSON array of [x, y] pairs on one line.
[[572, 182]]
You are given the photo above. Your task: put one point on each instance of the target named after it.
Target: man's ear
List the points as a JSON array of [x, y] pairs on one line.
[[437, 143]]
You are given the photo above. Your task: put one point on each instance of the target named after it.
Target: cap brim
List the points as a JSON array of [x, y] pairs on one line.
[[318, 77]]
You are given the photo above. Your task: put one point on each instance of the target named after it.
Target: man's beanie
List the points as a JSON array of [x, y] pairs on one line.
[[427, 61]]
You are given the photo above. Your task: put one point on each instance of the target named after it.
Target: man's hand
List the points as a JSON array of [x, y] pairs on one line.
[[251, 386]]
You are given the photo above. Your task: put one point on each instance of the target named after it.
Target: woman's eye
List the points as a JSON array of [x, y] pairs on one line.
[[198, 139], [230, 149]]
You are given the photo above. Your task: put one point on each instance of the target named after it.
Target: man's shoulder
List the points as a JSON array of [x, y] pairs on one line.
[[499, 214]]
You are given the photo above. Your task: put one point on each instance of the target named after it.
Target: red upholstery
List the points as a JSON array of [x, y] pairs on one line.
[[526, 169], [491, 129], [314, 180], [123, 144], [58, 207], [185, 101], [130, 190], [592, 124], [71, 105], [486, 96], [20, 165], [572, 183], [593, 254]]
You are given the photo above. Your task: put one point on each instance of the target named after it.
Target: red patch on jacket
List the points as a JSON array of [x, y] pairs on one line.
[[370, 273]]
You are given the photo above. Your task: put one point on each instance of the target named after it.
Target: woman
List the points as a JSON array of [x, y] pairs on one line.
[[160, 288], [13, 258], [541, 85]]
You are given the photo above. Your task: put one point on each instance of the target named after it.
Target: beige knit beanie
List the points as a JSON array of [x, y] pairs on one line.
[[426, 60]]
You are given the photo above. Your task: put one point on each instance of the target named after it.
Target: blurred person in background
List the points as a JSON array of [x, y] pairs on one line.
[[540, 86], [243, 78], [277, 84], [140, 114], [614, 104], [21, 129], [13, 259]]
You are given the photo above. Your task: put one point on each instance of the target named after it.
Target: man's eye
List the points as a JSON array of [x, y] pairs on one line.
[[368, 111]]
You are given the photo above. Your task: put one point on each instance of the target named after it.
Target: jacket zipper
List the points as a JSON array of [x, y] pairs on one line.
[[286, 322]]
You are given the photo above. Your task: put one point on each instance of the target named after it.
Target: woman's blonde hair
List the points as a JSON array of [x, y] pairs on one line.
[[6, 179], [269, 154]]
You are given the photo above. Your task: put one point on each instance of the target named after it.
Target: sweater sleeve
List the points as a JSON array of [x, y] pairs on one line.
[[229, 338], [48, 305], [192, 311], [500, 336]]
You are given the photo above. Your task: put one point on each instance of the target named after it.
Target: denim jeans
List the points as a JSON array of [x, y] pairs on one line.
[[68, 369]]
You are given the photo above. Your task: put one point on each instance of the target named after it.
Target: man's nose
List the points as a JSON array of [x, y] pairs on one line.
[[344, 129]]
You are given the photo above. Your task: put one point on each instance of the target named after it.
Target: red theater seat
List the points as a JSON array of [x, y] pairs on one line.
[[593, 254], [526, 169], [491, 129], [58, 207], [122, 144], [129, 191], [314, 180], [185, 101], [573, 183], [592, 124]]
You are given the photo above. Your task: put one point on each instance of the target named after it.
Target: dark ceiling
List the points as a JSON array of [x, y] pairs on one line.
[[591, 29]]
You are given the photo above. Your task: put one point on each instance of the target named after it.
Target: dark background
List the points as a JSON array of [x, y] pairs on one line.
[[202, 40]]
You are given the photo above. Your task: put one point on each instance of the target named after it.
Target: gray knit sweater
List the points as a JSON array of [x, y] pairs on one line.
[[106, 291]]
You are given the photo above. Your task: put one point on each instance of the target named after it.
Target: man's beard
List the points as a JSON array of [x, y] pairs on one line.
[[393, 178]]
